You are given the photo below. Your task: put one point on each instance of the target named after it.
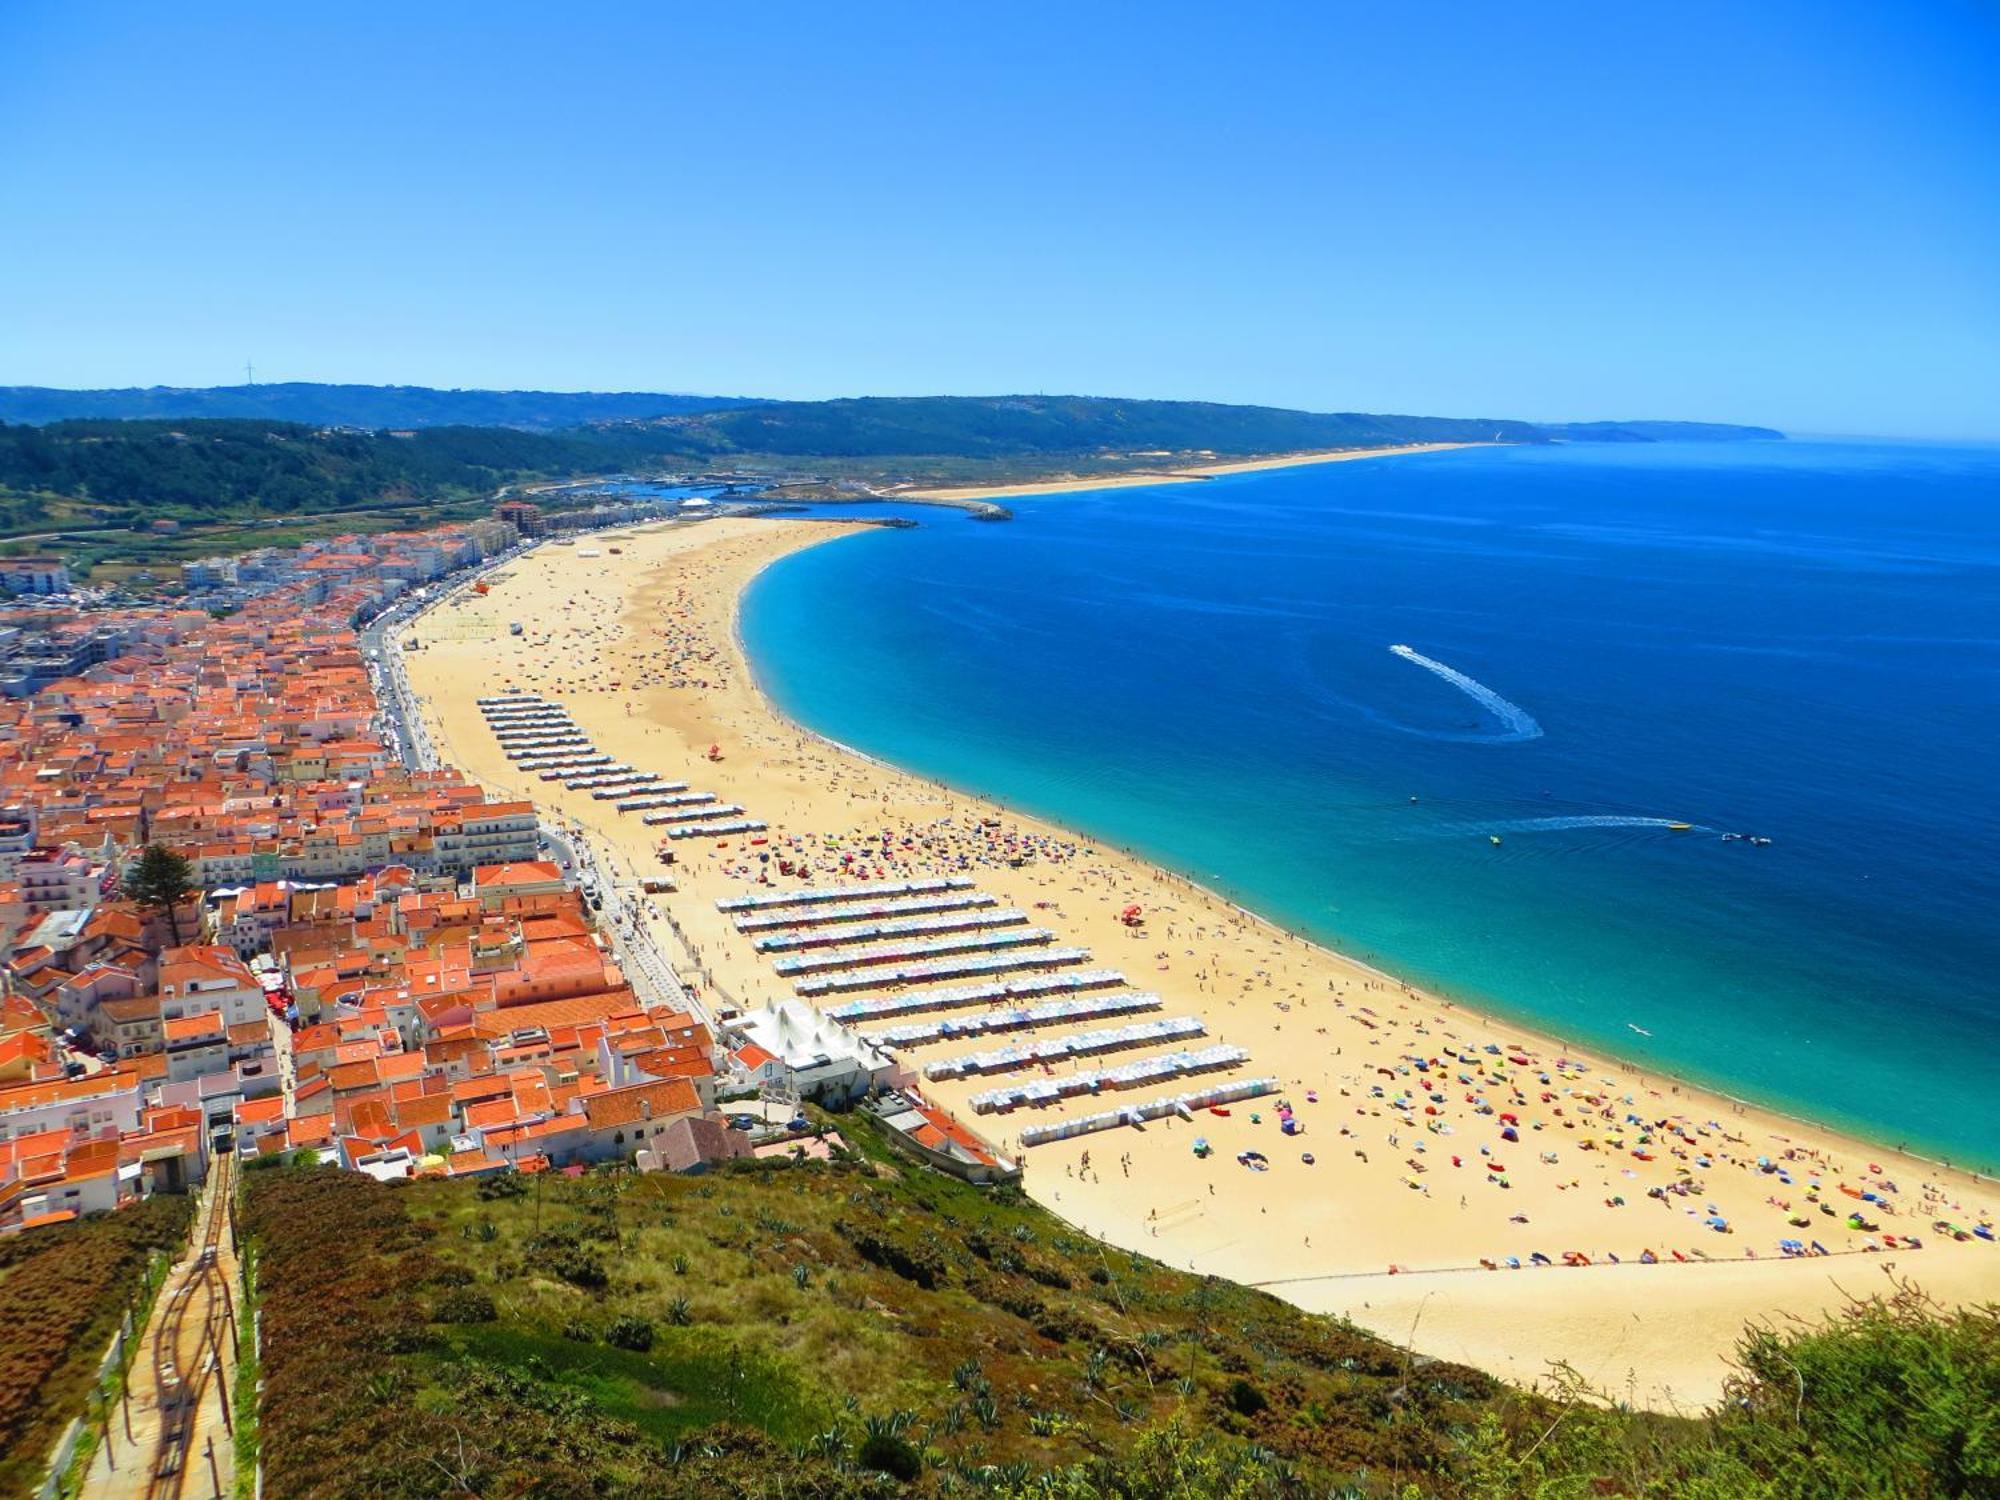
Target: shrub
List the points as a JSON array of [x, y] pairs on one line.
[[888, 1454], [628, 1332], [560, 1255], [463, 1305], [507, 1184], [1050, 1276], [1245, 1399], [920, 1263]]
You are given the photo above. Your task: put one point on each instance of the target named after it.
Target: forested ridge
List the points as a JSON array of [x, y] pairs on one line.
[[240, 466]]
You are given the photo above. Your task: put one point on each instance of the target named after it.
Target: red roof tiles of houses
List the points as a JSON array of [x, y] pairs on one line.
[[641, 1101]]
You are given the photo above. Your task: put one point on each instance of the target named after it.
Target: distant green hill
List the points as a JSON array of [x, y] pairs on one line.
[[212, 468], [224, 468], [998, 426], [391, 406], [1659, 432], [960, 426]]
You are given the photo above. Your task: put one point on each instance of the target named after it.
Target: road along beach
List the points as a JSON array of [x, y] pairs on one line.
[[1399, 1147]]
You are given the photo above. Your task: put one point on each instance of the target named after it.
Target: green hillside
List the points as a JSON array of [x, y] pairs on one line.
[[243, 468], [1660, 432], [220, 468], [1014, 425], [392, 406], [867, 1328]]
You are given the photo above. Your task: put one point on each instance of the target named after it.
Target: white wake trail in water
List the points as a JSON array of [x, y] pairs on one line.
[[1587, 820], [1517, 723]]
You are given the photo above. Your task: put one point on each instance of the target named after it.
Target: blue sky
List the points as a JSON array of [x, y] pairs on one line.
[[1780, 212]]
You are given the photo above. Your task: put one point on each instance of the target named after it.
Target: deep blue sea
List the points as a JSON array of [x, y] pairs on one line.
[[1795, 640]]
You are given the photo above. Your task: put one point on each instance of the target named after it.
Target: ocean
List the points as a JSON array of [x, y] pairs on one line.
[[1798, 641]]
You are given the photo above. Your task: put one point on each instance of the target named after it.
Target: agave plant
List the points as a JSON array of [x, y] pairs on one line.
[[894, 1425], [1094, 1366], [832, 1445]]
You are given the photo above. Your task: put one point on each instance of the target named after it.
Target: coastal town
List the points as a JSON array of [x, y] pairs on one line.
[[712, 784], [377, 963], [439, 904]]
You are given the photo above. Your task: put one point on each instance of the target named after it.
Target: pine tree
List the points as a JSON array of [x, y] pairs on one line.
[[161, 880]]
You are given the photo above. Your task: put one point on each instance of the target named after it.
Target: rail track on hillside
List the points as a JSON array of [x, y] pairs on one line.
[[189, 1349]]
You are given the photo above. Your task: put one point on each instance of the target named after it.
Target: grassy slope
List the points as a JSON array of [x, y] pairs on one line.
[[63, 1290], [813, 1327], [1028, 1347]]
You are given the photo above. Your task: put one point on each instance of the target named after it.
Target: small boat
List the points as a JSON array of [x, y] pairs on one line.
[[1493, 838], [1679, 827]]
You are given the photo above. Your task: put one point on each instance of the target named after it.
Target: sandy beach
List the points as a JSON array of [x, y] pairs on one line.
[[1178, 474], [1441, 1141]]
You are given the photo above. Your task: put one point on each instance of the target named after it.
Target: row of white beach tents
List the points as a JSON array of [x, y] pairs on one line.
[[707, 811], [928, 923], [539, 736], [1183, 1105], [942, 968], [718, 830], [807, 895], [862, 911], [664, 794], [891, 953], [1044, 1051], [1018, 1018], [955, 995], [1095, 1080]]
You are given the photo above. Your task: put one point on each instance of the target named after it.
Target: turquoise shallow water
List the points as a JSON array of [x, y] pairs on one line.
[[1797, 640]]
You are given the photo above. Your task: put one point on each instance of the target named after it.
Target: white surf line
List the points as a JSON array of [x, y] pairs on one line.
[[1520, 724]]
